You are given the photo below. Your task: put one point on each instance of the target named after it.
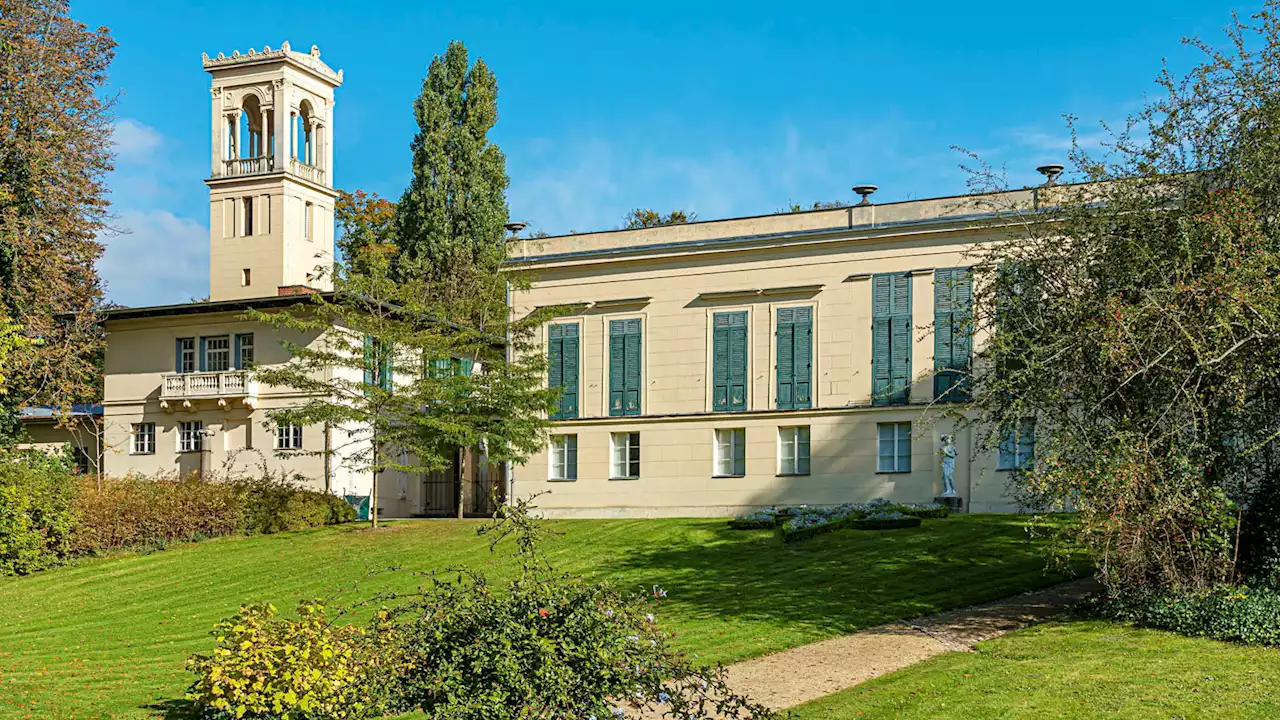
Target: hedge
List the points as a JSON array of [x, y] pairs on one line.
[[882, 523], [1233, 613], [745, 524]]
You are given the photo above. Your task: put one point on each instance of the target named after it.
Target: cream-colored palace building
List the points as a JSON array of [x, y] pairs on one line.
[[720, 366], [707, 369]]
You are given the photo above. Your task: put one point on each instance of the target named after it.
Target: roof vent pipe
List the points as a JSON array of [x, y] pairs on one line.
[[1050, 173], [865, 191]]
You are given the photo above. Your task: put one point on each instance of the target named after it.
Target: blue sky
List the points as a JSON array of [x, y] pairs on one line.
[[721, 109]]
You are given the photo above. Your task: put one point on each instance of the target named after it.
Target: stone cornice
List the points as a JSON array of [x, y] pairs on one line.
[[308, 61]]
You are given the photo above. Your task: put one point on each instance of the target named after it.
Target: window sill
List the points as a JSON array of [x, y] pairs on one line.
[[742, 475], [792, 474], [189, 452], [893, 472], [628, 477], [562, 479], [153, 452]]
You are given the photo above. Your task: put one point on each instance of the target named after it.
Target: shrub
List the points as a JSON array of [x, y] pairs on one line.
[[1249, 615], [37, 511], [274, 503], [926, 511], [883, 520], [269, 668]]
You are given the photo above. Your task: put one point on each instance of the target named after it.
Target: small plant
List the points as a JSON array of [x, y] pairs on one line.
[[269, 668]]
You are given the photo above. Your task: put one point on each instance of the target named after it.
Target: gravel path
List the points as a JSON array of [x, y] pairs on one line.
[[795, 676]]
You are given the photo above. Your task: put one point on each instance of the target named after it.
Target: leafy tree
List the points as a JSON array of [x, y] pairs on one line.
[[1135, 318], [647, 218], [451, 217], [398, 364], [55, 152]]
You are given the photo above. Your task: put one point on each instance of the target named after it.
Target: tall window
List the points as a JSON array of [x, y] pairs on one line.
[[564, 457], [246, 277], [142, 439], [1018, 447], [624, 367], [288, 436], [795, 357], [626, 455], [186, 355], [244, 350], [190, 436], [248, 216], [952, 333], [217, 353], [893, 454], [793, 450], [729, 361], [562, 372], [891, 339], [731, 452], [307, 212]]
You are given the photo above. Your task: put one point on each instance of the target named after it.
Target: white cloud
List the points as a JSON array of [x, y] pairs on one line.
[[157, 258], [136, 143]]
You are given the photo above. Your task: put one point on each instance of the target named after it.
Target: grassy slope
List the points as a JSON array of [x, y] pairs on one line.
[[109, 637], [1073, 670]]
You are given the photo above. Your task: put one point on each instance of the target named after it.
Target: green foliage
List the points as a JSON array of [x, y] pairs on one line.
[[795, 207], [647, 218], [547, 644], [1243, 614], [36, 511], [450, 220], [1135, 318], [269, 668], [366, 354]]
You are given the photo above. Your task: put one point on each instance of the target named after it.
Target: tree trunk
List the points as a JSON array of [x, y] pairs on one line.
[[462, 479]]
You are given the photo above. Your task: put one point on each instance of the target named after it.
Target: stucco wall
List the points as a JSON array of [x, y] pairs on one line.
[[676, 293]]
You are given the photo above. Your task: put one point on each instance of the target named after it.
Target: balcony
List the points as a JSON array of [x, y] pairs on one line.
[[185, 389], [248, 166], [306, 171]]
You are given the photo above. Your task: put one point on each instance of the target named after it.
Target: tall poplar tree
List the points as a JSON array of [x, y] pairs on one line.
[[450, 220], [55, 153]]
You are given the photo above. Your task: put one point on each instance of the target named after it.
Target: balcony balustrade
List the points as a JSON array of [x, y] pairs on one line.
[[248, 166], [183, 388]]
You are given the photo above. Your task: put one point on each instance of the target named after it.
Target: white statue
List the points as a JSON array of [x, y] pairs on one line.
[[948, 466]]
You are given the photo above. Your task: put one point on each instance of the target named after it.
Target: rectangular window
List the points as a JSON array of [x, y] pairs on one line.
[[731, 452], [307, 212], [562, 356], [1018, 449], [952, 333], [624, 367], [793, 450], [891, 339], [246, 277], [190, 436], [626, 456], [143, 439], [80, 457], [564, 457], [729, 361], [264, 215], [795, 358], [894, 448], [186, 361], [217, 353], [288, 436], [244, 350], [248, 217]]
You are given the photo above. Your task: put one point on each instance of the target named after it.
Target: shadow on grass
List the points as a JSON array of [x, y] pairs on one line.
[[844, 581], [174, 710]]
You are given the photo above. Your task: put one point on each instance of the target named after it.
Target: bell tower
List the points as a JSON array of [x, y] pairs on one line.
[[271, 182]]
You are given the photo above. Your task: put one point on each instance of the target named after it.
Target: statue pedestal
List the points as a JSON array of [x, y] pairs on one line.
[[953, 504]]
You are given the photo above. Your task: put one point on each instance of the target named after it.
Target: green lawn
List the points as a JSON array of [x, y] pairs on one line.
[[108, 638], [1081, 669]]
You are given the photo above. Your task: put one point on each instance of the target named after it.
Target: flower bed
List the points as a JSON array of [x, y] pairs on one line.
[[800, 522], [891, 520]]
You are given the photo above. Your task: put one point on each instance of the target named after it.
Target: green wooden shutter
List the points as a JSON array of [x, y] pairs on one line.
[[962, 330], [891, 339], [952, 337], [900, 346], [720, 362], [804, 357], [617, 366], [738, 361], [631, 377], [786, 359], [729, 361], [569, 394]]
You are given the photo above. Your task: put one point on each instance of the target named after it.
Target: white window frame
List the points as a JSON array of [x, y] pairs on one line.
[[142, 439], [190, 436], [1016, 440], [792, 440], [563, 458], [730, 452], [211, 352], [895, 463], [624, 456], [190, 363], [246, 350], [288, 436]]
